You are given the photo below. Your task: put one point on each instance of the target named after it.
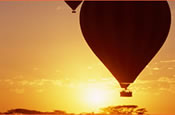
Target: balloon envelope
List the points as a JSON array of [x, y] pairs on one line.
[[125, 35]]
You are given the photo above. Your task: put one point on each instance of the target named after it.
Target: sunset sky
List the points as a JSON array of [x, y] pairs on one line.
[[45, 64]]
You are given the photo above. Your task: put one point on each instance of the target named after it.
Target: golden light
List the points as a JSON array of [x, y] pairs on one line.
[[96, 97]]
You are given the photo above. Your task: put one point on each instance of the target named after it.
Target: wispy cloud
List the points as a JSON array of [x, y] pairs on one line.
[[156, 86], [9, 81], [170, 68], [40, 90], [166, 80], [156, 68], [167, 61], [57, 82], [35, 68]]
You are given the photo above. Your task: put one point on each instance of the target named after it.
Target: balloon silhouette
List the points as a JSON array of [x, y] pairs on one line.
[[73, 4], [125, 35]]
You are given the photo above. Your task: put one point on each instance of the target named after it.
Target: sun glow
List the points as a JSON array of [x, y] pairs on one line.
[[96, 97]]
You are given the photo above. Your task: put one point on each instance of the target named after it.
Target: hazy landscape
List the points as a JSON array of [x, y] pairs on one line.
[[111, 110]]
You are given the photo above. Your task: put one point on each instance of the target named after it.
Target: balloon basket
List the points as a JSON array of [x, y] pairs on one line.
[[125, 93]]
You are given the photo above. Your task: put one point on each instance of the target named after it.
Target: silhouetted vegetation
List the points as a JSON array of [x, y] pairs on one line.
[[124, 109], [60, 112], [23, 111], [111, 110]]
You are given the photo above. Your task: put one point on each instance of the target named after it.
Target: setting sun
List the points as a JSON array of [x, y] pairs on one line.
[[96, 97]]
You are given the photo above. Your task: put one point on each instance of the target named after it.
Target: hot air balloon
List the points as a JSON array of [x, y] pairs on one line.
[[73, 4], [125, 35]]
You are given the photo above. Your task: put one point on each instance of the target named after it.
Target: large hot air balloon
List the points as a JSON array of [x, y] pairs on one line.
[[73, 4], [125, 35]]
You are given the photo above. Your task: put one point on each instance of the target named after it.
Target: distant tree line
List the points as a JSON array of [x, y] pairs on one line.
[[23, 111], [27, 111], [111, 110]]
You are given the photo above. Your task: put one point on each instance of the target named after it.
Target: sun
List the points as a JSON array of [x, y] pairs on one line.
[[96, 97]]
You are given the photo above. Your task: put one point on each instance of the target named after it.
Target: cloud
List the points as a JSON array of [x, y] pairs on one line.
[[57, 82], [39, 82], [166, 80], [91, 80], [168, 61], [156, 86], [156, 68], [19, 86], [40, 90], [24, 82], [9, 81], [90, 67], [35, 68], [170, 68], [72, 85], [18, 77], [143, 81]]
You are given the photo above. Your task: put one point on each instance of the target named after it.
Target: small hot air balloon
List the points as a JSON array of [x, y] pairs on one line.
[[125, 35], [73, 4]]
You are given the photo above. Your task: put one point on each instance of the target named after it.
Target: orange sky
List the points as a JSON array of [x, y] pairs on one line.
[[46, 64]]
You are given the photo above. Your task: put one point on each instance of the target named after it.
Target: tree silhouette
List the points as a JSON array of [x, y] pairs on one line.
[[60, 112], [24, 111], [124, 109], [141, 111]]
